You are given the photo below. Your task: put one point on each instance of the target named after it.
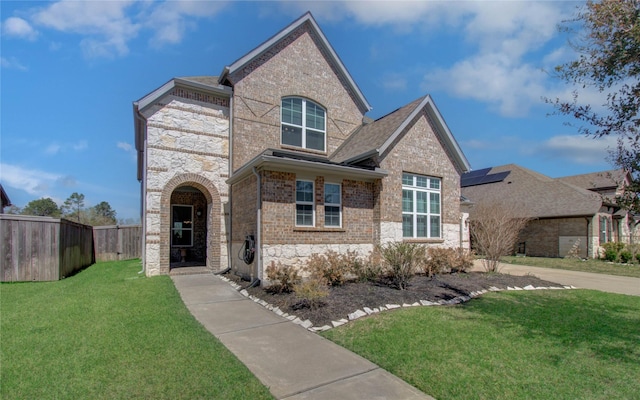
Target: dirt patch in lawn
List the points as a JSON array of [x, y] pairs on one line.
[[345, 299]]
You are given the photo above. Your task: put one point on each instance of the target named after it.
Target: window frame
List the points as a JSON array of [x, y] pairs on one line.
[[328, 204], [304, 127], [428, 186], [181, 229], [312, 203]]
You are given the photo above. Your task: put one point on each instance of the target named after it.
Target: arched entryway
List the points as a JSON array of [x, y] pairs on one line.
[[190, 224]]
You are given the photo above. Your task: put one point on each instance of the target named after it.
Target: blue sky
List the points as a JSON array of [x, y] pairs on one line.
[[70, 71]]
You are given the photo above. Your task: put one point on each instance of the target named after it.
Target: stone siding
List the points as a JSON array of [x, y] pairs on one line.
[[298, 255], [187, 144], [295, 67]]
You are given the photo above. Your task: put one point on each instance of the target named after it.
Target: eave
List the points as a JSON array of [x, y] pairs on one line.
[[267, 161]]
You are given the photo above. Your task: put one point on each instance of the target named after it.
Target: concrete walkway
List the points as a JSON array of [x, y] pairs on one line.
[[291, 361], [582, 280]]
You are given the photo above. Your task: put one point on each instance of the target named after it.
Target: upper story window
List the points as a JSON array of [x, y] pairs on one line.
[[303, 123], [421, 215]]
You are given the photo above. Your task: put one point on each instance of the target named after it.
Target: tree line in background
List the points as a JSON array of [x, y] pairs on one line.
[[72, 209]]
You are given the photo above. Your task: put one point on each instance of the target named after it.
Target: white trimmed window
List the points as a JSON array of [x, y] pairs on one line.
[[303, 123], [421, 216], [305, 211], [181, 225], [332, 205]]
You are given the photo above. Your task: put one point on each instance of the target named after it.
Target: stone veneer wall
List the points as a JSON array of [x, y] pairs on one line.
[[418, 150], [187, 145], [295, 67]]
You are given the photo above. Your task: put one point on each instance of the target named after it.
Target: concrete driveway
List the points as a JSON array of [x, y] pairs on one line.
[[582, 280]]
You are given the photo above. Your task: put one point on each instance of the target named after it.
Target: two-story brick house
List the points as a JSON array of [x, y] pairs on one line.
[[275, 160]]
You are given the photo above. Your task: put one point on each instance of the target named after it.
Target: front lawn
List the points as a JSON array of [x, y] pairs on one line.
[[565, 344], [574, 264], [110, 333]]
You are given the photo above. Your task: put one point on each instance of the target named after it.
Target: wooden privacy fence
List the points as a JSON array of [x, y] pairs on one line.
[[113, 243], [42, 248], [48, 249]]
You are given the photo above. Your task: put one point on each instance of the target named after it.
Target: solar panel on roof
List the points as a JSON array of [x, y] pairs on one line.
[[478, 172], [484, 179]]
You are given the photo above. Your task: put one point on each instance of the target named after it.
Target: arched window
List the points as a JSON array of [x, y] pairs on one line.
[[303, 123]]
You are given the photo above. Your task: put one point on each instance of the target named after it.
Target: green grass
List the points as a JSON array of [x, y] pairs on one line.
[[573, 264], [573, 344], [109, 333]]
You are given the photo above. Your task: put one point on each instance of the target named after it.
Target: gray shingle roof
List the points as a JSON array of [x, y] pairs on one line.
[[370, 137], [596, 180], [536, 195]]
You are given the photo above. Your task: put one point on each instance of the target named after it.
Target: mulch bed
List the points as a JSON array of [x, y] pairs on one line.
[[345, 299]]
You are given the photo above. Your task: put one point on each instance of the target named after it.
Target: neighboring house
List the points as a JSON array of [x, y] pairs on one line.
[[4, 200], [275, 160], [574, 213]]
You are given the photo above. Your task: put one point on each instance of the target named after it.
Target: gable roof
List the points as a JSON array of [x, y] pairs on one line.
[[377, 137], [596, 181], [307, 18], [536, 195]]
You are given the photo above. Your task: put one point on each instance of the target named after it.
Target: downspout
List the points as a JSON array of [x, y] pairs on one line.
[[258, 243], [229, 191], [142, 121]]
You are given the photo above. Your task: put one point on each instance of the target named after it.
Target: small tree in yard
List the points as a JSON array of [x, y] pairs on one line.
[[494, 230]]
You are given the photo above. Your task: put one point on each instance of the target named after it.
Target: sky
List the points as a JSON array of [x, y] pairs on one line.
[[70, 71]]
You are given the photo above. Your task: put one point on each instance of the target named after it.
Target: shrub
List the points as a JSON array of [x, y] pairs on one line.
[[327, 267], [283, 278], [463, 260], [401, 261], [625, 256], [311, 293], [334, 267], [369, 269], [638, 257], [612, 250], [439, 259]]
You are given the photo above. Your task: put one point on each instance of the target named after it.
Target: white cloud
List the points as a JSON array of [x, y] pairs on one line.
[[104, 24], [577, 148], [171, 19], [511, 89], [18, 27], [55, 148], [129, 149], [125, 146], [12, 63], [34, 182], [394, 82]]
